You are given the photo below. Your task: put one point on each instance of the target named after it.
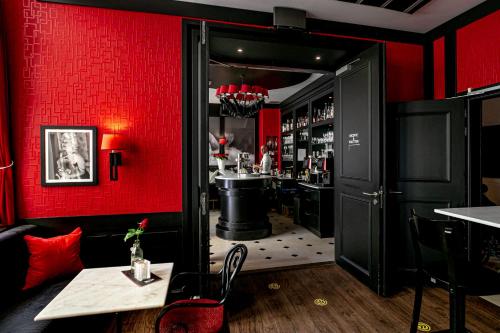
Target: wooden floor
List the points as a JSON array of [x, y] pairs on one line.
[[328, 299]]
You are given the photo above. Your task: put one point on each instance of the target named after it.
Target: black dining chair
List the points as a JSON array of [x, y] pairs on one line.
[[445, 265], [205, 313]]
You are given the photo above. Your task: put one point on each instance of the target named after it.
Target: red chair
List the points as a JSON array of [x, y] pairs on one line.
[[201, 314]]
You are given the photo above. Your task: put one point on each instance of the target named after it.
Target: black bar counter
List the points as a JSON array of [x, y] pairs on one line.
[[244, 204]]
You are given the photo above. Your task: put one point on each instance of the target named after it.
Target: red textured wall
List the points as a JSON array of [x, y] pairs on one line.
[[478, 53], [439, 68], [269, 125], [405, 72], [72, 65]]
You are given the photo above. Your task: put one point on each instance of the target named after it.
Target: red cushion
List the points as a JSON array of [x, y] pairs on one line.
[[194, 319], [52, 257]]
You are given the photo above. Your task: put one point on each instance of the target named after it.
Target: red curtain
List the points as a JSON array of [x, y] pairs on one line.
[[6, 182]]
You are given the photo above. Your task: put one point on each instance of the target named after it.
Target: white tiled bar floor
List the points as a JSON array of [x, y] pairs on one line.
[[289, 245]]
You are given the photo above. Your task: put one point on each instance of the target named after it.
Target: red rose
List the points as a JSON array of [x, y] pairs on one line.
[[144, 223]]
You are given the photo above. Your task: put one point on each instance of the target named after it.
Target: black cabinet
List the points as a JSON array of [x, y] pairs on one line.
[[316, 209]]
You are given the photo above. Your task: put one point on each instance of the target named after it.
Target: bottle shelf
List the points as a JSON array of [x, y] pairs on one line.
[[322, 123]]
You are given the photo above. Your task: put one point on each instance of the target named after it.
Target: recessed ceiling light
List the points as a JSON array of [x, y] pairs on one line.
[[318, 57], [240, 50]]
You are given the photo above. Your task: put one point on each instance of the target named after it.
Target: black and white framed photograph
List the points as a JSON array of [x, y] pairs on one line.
[[69, 155]]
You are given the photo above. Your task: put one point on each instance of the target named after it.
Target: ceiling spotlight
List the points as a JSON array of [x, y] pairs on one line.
[[240, 50], [318, 57]]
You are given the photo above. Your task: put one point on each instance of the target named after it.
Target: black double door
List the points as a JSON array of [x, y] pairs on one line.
[[410, 156]]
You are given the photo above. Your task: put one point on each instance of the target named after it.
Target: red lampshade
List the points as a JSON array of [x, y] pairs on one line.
[[217, 92], [223, 89], [245, 88], [222, 141], [265, 92], [113, 142], [257, 89], [232, 89]]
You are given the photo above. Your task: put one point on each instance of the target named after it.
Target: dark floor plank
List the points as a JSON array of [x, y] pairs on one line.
[[352, 307]]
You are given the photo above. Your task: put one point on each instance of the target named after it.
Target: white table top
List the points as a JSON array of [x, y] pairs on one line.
[[107, 290], [489, 216]]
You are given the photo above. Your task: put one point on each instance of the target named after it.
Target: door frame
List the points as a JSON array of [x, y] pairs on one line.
[[473, 168], [193, 234]]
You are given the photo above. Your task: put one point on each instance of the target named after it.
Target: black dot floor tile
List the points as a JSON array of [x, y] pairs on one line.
[[286, 247], [293, 232], [262, 249], [212, 263], [319, 252], [233, 243], [300, 238], [211, 253], [278, 240], [309, 244], [331, 243], [268, 258], [256, 242], [295, 255]]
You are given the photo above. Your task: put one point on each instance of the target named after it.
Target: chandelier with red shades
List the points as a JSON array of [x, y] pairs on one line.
[[241, 101]]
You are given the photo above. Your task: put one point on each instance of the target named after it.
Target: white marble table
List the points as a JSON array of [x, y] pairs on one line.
[[489, 216], [107, 290]]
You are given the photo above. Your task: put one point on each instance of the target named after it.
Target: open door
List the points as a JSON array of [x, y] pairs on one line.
[[427, 167], [196, 138], [359, 102]]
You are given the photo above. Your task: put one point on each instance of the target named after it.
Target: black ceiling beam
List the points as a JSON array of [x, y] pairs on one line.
[[179, 8], [233, 15], [464, 19], [210, 12]]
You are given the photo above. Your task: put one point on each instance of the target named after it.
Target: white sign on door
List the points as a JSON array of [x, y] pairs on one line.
[[353, 140]]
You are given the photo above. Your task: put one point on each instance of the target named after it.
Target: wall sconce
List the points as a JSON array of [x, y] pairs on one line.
[[113, 142]]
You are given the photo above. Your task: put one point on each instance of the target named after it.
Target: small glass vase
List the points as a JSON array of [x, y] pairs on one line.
[[135, 254], [221, 163]]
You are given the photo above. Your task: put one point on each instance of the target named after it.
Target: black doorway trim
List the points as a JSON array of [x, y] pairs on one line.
[[246, 17], [429, 70], [187, 185], [450, 65]]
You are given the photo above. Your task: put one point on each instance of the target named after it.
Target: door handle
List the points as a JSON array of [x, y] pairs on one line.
[[374, 194], [203, 203], [396, 192]]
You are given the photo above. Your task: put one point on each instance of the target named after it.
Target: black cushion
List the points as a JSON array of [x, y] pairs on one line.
[[16, 259], [19, 316]]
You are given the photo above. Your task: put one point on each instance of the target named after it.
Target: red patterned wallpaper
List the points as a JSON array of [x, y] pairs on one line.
[[405, 72], [72, 65], [439, 68], [478, 53], [269, 125]]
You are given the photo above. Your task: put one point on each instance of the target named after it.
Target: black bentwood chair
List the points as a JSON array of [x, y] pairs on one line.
[[444, 241], [201, 314]]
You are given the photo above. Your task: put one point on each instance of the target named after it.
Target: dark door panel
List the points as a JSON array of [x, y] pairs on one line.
[[417, 150], [356, 123], [356, 236]]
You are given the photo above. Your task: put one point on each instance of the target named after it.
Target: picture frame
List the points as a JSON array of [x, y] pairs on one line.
[[68, 155]]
